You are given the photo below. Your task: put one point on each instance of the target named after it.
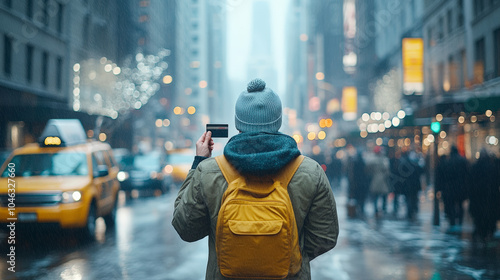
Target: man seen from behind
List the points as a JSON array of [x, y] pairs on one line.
[[258, 151]]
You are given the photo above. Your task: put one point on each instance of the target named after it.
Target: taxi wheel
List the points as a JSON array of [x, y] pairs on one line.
[[88, 232], [110, 219]]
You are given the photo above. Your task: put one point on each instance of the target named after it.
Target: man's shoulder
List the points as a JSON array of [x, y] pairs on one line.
[[208, 165], [309, 167], [309, 163]]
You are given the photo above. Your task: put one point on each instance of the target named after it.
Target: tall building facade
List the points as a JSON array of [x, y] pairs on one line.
[[462, 78], [200, 87], [40, 43], [152, 38], [296, 76], [436, 61], [317, 49]]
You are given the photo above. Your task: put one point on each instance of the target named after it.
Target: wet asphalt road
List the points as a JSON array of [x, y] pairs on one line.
[[144, 245]]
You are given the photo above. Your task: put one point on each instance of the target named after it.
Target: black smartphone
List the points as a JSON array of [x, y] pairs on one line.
[[218, 130]]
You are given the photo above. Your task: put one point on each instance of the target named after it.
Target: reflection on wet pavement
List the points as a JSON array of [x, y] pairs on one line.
[[144, 245]]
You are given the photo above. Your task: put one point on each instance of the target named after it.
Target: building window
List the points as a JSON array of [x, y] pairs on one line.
[[478, 7], [59, 73], [440, 28], [29, 63], [440, 70], [449, 23], [7, 55], [143, 18], [412, 9], [86, 31], [453, 74], [45, 12], [45, 68], [430, 37], [60, 17], [7, 3], [479, 61], [460, 13], [464, 81], [29, 9], [496, 36]]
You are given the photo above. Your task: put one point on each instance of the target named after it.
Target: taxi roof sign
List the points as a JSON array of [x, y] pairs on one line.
[[63, 132]]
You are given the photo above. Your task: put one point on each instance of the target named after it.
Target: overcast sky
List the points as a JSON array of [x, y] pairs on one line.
[[239, 22]]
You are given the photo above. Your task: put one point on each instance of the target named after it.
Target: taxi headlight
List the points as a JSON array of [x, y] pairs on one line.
[[69, 197], [168, 169], [122, 176]]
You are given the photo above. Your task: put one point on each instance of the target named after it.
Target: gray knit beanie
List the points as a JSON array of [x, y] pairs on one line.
[[258, 109]]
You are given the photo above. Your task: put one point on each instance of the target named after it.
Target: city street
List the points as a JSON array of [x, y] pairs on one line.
[[144, 245], [102, 102]]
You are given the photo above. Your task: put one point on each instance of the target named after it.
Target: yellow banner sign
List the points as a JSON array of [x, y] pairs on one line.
[[413, 65], [349, 103]]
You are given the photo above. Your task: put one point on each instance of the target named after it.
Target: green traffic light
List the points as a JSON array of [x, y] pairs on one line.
[[436, 127]]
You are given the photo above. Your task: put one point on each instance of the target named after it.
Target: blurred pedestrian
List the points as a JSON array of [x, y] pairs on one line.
[[411, 168], [257, 153], [334, 170], [395, 180], [455, 188], [378, 168], [484, 196], [359, 182], [440, 175]]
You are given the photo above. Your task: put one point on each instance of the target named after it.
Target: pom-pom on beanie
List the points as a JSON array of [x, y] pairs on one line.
[[258, 109]]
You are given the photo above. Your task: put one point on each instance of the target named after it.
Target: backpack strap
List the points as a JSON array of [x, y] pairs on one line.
[[227, 169], [287, 173]]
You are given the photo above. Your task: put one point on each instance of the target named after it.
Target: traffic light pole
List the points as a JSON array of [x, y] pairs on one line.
[[436, 199]]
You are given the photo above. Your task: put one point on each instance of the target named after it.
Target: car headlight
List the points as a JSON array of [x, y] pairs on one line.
[[168, 169], [122, 176], [69, 197]]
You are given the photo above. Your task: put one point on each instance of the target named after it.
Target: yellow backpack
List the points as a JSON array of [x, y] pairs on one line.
[[256, 234]]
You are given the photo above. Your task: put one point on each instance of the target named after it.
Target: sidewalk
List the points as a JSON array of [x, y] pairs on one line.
[[425, 216], [390, 247]]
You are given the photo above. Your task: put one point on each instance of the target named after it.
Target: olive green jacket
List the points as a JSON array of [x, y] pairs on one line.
[[199, 199]]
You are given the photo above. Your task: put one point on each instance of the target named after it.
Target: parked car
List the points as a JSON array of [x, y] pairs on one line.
[[178, 164], [63, 179], [143, 172], [4, 154]]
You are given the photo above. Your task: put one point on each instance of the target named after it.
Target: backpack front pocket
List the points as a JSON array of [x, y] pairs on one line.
[[252, 247]]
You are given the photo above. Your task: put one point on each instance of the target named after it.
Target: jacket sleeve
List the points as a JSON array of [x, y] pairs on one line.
[[191, 219], [321, 227]]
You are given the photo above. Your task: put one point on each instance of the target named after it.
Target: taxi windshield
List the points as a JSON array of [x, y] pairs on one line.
[[148, 162], [53, 164]]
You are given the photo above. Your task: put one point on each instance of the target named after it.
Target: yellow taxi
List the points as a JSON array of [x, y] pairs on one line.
[[179, 163], [63, 179]]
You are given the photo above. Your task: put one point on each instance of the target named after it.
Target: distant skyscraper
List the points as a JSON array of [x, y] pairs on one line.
[[261, 63]]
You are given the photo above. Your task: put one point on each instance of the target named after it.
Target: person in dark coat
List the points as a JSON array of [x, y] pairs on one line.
[[359, 182], [455, 189], [440, 175], [484, 196], [411, 170], [334, 170], [395, 180]]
